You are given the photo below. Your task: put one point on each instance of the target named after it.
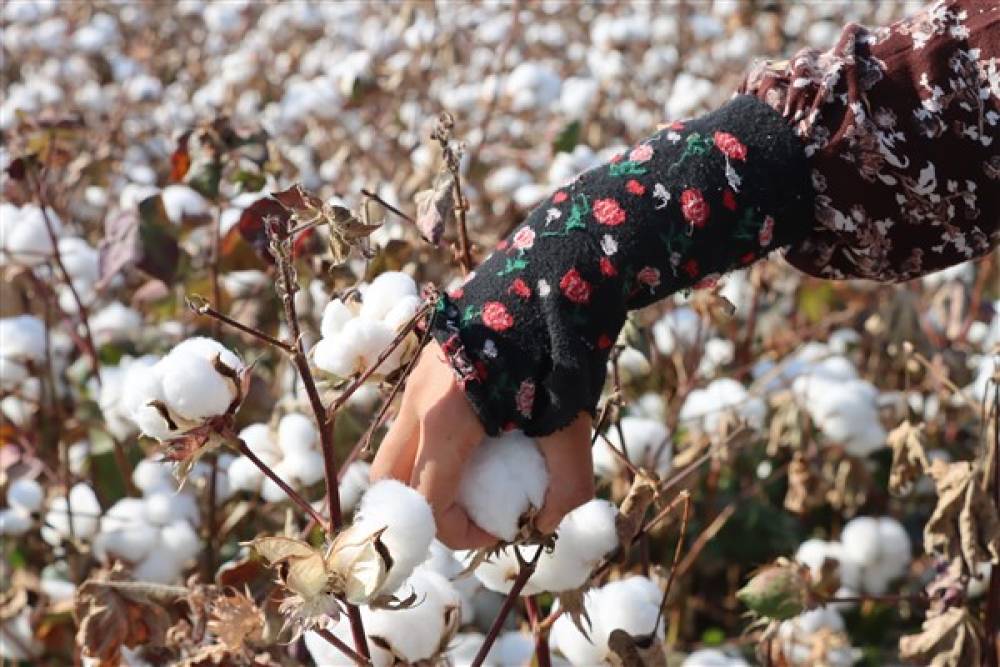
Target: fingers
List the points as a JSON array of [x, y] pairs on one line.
[[571, 472], [398, 451], [444, 448]]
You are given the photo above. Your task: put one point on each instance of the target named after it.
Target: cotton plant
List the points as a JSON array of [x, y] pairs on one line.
[[75, 516], [156, 534], [24, 236], [631, 604], [845, 411], [647, 445], [355, 335], [292, 451]]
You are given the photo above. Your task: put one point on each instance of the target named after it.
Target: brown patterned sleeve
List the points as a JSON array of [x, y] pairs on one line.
[[901, 130]]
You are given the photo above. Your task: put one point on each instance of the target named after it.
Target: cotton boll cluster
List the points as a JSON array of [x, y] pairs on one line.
[[80, 259], [413, 634], [354, 336], [115, 405], [292, 452], [802, 635], [647, 445], [155, 534], [631, 604], [704, 409], [24, 498], [186, 385], [22, 345], [446, 562], [510, 467], [678, 330], [24, 237], [407, 525], [114, 323]]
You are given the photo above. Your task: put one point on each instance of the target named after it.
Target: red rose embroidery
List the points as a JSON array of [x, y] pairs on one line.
[[607, 268], [732, 147], [694, 207], [574, 287], [676, 125], [603, 342], [641, 153], [524, 238], [691, 267], [708, 282], [766, 233], [649, 276], [559, 197], [503, 245], [616, 158], [456, 293], [525, 398], [635, 187], [496, 317], [520, 288], [748, 258], [729, 199], [609, 212]]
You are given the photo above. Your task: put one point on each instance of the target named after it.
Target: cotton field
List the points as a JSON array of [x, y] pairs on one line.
[[225, 229]]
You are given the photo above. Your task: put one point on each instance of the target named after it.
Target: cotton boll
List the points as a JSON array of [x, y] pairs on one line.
[[678, 329], [208, 349], [408, 522], [400, 314], [163, 507], [574, 646], [159, 567], [326, 654], [25, 494], [632, 364], [647, 444], [415, 633], [151, 476], [85, 509], [304, 467], [131, 541], [354, 484], [845, 410], [297, 434], [180, 540], [193, 388], [115, 322], [24, 237], [704, 408], [335, 357], [879, 548], [335, 316], [385, 292], [508, 467], [22, 338], [717, 353], [583, 538], [498, 573], [244, 475], [512, 649], [860, 539], [270, 491], [14, 521]]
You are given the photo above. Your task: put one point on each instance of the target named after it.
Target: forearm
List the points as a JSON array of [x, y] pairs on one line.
[[530, 332]]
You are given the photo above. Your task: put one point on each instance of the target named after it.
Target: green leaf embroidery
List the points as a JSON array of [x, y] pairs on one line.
[[626, 168], [695, 145], [513, 265]]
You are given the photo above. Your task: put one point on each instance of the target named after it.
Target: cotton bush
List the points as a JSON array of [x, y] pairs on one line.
[[647, 444]]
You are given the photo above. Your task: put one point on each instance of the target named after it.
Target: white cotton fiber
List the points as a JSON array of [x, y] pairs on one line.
[[415, 633], [159, 567], [402, 312], [149, 476], [180, 540], [647, 443], [584, 537], [846, 411], [181, 202], [385, 292], [130, 539], [244, 475], [498, 573], [297, 434], [713, 657], [408, 522], [25, 494], [194, 389], [335, 316], [326, 654], [22, 338], [678, 329], [208, 349], [354, 484], [508, 467], [880, 550], [85, 510], [14, 521]]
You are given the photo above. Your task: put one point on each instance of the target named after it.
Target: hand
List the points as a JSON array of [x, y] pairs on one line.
[[435, 433]]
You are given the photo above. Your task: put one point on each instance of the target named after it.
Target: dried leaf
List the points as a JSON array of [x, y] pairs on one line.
[[633, 508], [145, 241], [436, 207], [805, 488], [629, 651], [572, 603], [235, 620], [951, 639], [964, 524], [909, 459], [109, 618], [363, 561]]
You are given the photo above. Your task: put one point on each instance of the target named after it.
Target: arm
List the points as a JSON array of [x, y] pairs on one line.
[[816, 167]]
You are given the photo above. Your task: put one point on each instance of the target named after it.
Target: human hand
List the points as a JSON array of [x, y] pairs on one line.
[[435, 433]]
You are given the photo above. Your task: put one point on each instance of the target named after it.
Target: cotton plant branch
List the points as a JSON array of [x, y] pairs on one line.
[[341, 646], [526, 569], [294, 495], [543, 655], [678, 549]]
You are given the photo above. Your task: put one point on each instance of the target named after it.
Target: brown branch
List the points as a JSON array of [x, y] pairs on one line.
[[543, 656], [273, 476], [677, 555], [386, 205], [343, 647], [527, 568], [205, 309]]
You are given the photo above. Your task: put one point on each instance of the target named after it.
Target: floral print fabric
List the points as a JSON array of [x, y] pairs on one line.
[[529, 333], [901, 128]]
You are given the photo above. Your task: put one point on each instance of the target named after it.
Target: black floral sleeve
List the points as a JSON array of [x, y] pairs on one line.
[[529, 332]]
